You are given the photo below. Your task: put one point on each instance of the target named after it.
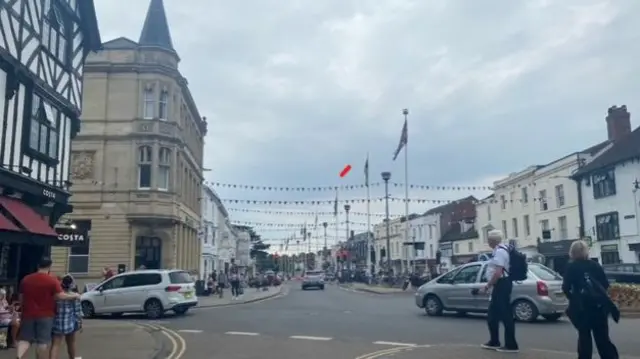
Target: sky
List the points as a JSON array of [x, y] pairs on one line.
[[295, 90]]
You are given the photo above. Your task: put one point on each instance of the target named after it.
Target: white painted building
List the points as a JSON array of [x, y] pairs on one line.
[[209, 202], [609, 193], [396, 240]]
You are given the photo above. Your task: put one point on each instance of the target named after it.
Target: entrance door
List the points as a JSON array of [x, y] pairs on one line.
[[149, 252]]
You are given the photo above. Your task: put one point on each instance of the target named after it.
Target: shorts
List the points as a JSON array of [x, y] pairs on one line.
[[36, 331]]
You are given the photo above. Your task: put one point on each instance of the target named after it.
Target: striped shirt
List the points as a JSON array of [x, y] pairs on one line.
[[68, 316]]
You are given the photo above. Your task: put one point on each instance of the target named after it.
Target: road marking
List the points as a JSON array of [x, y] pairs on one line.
[[243, 333], [304, 337], [189, 331], [395, 344]]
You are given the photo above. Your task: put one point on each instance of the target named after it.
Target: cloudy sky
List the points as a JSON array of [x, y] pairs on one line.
[[294, 90]]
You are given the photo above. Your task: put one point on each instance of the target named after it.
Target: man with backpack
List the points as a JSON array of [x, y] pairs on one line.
[[505, 266]]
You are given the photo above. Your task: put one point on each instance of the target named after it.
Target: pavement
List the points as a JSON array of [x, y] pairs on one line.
[[113, 340], [344, 324]]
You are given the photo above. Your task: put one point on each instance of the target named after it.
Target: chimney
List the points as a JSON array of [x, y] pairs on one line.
[[618, 122]]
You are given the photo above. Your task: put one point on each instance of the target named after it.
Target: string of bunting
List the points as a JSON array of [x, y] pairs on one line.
[[292, 225], [344, 187], [306, 213], [379, 199]]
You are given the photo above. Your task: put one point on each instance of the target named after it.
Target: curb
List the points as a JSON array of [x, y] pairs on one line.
[[633, 314], [373, 291], [253, 300]]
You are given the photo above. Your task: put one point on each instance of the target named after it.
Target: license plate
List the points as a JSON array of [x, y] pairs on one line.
[[188, 295]]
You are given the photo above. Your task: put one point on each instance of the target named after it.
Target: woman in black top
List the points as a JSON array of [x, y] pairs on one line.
[[587, 315]]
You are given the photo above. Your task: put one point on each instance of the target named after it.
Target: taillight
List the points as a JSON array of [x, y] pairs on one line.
[[172, 288], [542, 289]]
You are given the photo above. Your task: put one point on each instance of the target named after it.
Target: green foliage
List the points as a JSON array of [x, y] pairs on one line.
[[258, 247]]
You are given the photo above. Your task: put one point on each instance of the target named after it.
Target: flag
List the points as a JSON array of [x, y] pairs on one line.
[[335, 206], [403, 140], [366, 171], [315, 225]]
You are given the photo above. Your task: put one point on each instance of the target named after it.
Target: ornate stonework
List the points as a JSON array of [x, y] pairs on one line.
[[82, 165]]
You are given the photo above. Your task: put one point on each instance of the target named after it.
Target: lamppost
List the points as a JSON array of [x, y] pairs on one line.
[[386, 176], [347, 208], [324, 250]]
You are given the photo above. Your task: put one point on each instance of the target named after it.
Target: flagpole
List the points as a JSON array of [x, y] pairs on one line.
[[336, 219], [368, 249], [405, 112]]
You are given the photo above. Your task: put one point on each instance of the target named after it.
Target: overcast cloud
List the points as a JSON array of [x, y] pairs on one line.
[[293, 90]]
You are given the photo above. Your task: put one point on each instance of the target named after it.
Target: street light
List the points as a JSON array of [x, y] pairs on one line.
[[324, 251], [347, 208], [386, 176]]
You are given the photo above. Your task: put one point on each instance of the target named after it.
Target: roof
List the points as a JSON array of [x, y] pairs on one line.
[[155, 31], [90, 27], [455, 233], [622, 150], [120, 43], [448, 206]]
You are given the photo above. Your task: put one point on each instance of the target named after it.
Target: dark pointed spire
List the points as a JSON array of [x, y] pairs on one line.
[[155, 31]]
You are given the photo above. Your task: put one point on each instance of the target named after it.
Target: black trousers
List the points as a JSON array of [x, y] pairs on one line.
[[235, 288], [594, 323], [500, 311]]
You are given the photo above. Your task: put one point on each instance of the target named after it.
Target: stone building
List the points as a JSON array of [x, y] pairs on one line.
[[136, 164]]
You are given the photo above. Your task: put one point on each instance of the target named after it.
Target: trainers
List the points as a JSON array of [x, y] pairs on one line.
[[491, 346], [508, 350]]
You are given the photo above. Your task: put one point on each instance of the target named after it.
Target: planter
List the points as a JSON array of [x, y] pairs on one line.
[[626, 296]]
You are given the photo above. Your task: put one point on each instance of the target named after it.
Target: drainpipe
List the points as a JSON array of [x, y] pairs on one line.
[[580, 208]]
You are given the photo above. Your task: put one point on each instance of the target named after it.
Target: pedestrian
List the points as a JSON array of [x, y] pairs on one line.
[[6, 314], [585, 285], [500, 285], [107, 273], [222, 282], [15, 319], [39, 292], [68, 320], [234, 280]]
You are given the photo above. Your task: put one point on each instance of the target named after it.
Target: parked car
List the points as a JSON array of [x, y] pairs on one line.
[[460, 290], [153, 292], [313, 279], [623, 273]]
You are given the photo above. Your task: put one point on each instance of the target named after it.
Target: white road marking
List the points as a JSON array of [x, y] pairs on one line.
[[395, 344], [243, 333], [304, 337], [189, 331]]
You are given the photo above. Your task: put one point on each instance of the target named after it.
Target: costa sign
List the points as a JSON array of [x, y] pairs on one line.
[[69, 237]]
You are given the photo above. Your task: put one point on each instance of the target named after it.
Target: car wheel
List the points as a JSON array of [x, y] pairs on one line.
[[552, 317], [88, 311], [433, 305], [525, 311], [153, 309], [180, 311]]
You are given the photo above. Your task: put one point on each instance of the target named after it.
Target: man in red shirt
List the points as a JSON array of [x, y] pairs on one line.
[[38, 294]]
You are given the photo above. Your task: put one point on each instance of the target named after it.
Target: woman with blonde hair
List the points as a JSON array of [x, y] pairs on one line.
[[585, 285]]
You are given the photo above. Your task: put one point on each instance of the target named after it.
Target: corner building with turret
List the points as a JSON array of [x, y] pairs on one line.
[[136, 164]]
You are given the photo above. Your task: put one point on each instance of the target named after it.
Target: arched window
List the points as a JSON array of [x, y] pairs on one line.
[[164, 168], [145, 160], [149, 103], [163, 105]]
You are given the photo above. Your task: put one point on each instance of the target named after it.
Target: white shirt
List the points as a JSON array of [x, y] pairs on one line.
[[500, 258]]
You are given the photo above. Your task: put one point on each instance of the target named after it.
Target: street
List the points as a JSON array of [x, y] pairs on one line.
[[344, 324]]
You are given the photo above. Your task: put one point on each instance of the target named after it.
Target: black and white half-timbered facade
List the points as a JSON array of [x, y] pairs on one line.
[[43, 45]]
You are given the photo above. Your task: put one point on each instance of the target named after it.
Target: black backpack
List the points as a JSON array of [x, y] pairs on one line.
[[518, 267]]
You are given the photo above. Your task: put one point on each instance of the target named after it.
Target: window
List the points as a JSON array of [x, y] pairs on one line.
[[543, 200], [544, 224], [503, 202], [610, 257], [138, 280], [115, 283], [525, 195], [447, 277], [163, 105], [563, 231], [430, 231], [489, 212], [456, 248], [559, 196], [144, 167], [431, 251], [149, 103], [543, 273], [164, 168], [79, 255], [486, 234], [470, 247], [43, 133], [604, 184], [527, 225], [607, 226], [504, 228], [514, 223], [55, 34], [467, 275], [512, 198]]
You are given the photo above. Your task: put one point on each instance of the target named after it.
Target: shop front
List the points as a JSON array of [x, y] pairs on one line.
[[556, 254]]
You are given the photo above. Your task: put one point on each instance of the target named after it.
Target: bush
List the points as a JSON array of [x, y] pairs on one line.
[[626, 296]]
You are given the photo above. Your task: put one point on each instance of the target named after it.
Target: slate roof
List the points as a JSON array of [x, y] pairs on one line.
[[90, 27], [120, 43], [622, 150], [449, 206], [155, 31], [455, 233]]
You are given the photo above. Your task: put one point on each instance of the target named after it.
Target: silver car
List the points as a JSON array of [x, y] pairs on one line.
[[313, 279], [460, 290]]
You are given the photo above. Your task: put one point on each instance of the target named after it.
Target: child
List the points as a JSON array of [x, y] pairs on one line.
[[5, 318], [68, 320]]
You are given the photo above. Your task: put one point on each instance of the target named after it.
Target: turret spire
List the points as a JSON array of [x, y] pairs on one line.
[[155, 31]]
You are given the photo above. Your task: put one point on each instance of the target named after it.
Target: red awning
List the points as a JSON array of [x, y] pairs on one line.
[[7, 225], [32, 221]]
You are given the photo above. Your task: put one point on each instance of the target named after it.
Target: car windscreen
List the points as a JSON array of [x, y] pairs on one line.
[[543, 273], [180, 278]]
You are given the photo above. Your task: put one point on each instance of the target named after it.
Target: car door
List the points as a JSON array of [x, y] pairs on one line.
[[107, 294], [135, 291], [482, 299], [463, 284]]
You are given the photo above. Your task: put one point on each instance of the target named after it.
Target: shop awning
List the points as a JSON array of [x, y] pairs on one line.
[[28, 218], [7, 225]]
